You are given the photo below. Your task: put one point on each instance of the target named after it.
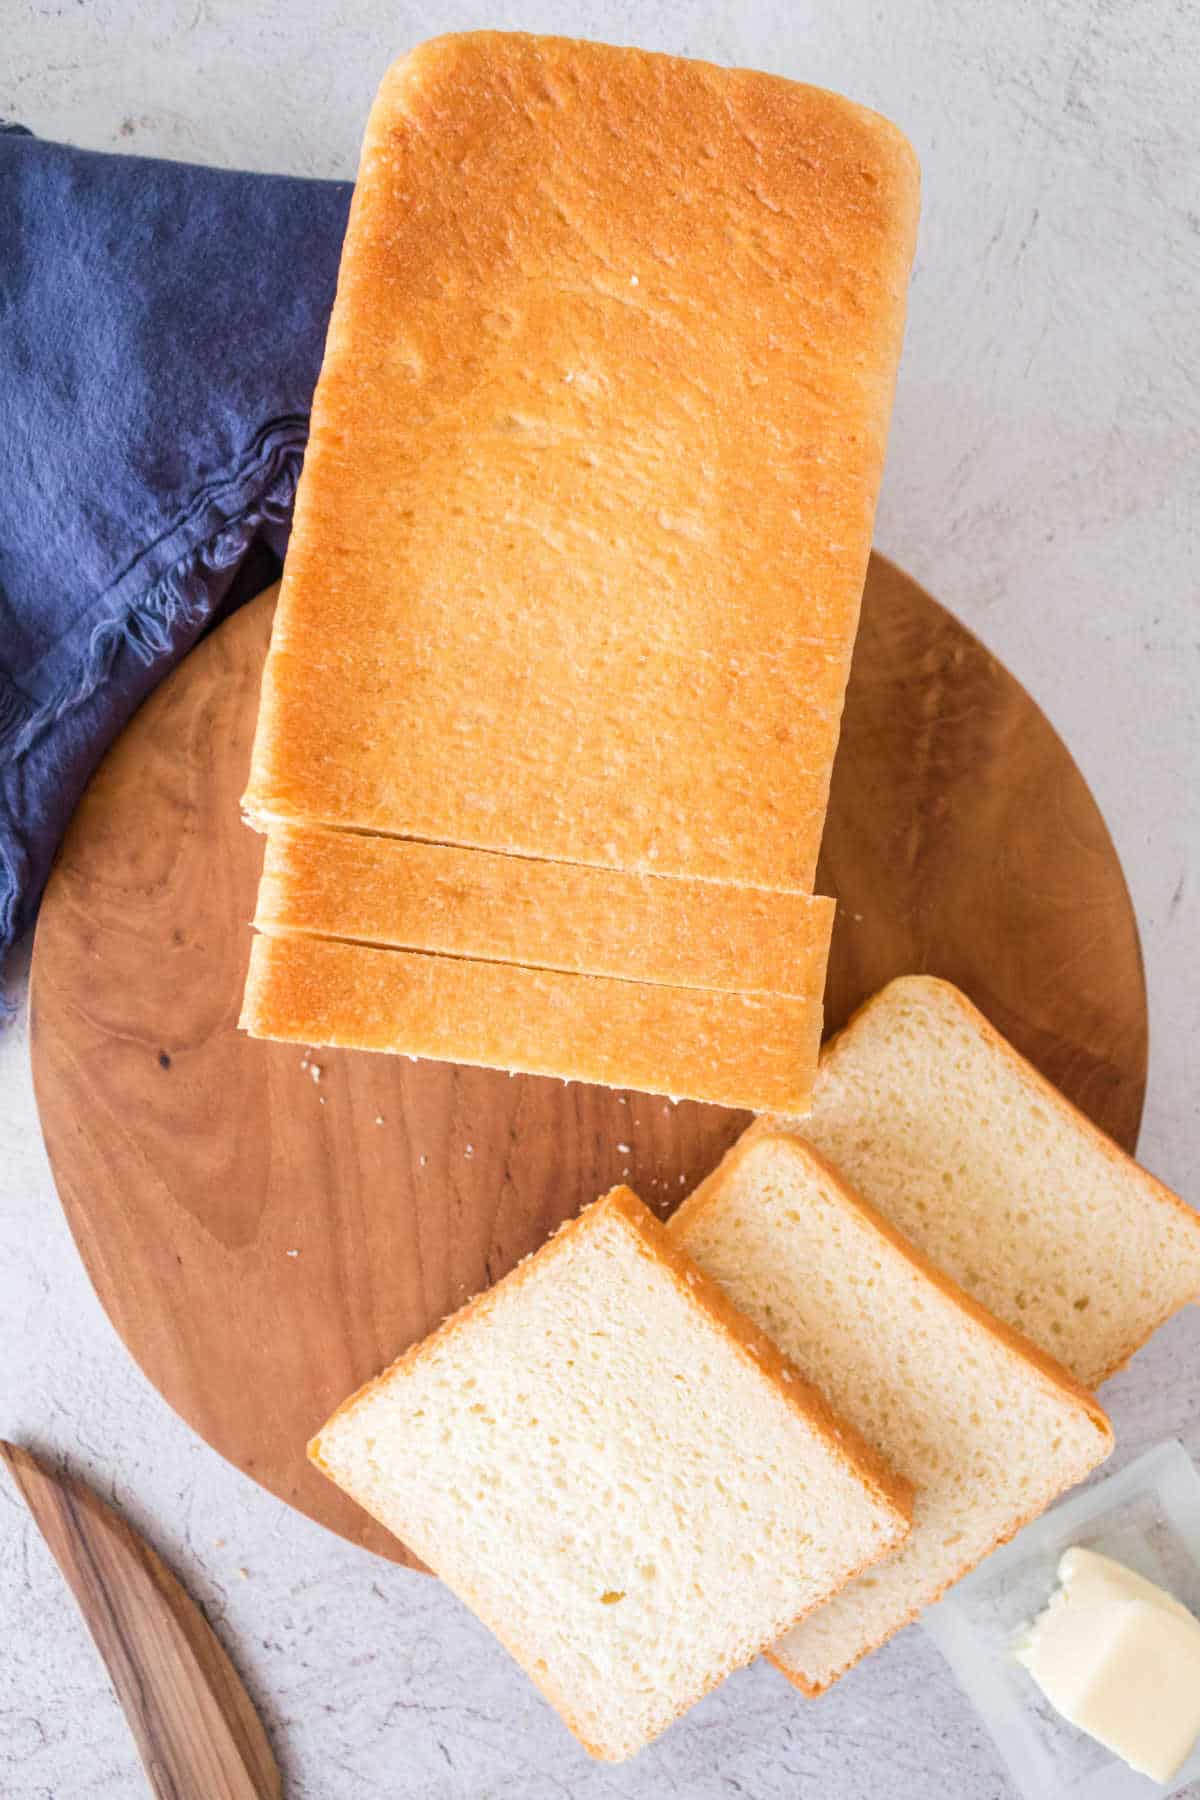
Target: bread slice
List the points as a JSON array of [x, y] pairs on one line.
[[939, 1122], [756, 1051], [623, 1478], [587, 502], [987, 1428], [439, 898]]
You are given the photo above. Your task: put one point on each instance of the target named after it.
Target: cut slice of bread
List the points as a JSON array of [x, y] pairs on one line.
[[936, 1119], [586, 507], [757, 1051], [623, 1477], [585, 921], [987, 1428]]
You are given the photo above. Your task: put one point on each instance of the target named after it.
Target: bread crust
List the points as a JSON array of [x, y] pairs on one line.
[[741, 1050], [443, 899], [1032, 1078], [622, 330], [891, 1492], [1050, 1373]]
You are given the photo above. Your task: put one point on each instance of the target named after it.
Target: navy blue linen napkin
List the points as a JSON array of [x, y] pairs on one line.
[[161, 329]]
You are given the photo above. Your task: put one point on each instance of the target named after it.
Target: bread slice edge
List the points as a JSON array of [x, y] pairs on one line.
[[889, 1490]]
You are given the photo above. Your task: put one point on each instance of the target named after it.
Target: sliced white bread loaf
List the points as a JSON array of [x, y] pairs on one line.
[[621, 1475], [988, 1429], [937, 1121]]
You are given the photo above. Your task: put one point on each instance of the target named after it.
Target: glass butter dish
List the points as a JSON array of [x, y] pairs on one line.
[[1147, 1517]]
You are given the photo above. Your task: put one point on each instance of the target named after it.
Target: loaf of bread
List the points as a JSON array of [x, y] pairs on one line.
[[940, 1124], [546, 915], [621, 1476], [586, 508], [988, 1429], [756, 1051]]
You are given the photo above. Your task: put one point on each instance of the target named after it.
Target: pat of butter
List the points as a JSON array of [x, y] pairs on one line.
[[1119, 1658]]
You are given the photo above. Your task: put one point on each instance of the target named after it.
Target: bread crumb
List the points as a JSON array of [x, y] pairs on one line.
[[625, 1149], [218, 1543], [379, 1118], [423, 1160], [470, 1150], [633, 281], [682, 1179], [321, 1099], [291, 1253], [314, 1070], [245, 1574]]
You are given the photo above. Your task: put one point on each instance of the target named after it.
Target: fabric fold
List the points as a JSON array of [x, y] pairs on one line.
[[161, 330]]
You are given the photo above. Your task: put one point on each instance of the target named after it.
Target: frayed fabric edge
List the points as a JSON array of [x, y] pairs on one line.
[[177, 601]]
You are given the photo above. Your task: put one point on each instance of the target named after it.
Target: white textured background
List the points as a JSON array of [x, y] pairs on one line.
[[1042, 483]]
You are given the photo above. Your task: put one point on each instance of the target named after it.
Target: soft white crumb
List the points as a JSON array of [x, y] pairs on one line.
[[633, 281], [379, 1118], [470, 1150], [624, 1149], [423, 1160], [245, 1574], [314, 1070], [321, 1099], [682, 1179], [291, 1253]]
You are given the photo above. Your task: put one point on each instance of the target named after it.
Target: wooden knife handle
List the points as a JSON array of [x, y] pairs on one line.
[[198, 1734]]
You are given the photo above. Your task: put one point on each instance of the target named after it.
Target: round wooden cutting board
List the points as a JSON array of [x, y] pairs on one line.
[[265, 1241]]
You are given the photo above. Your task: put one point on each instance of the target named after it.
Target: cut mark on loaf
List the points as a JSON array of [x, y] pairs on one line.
[[602, 1458], [442, 899], [986, 1427], [753, 1051]]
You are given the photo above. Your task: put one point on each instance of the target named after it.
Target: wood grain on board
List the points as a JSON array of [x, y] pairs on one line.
[[197, 1733], [265, 1241]]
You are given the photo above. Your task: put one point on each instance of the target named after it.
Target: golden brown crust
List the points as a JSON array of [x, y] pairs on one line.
[[621, 331], [891, 1491], [1051, 1372], [742, 1050], [588, 921], [1156, 1190]]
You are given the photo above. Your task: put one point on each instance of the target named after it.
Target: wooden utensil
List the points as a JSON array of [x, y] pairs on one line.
[[196, 1730], [264, 1242]]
